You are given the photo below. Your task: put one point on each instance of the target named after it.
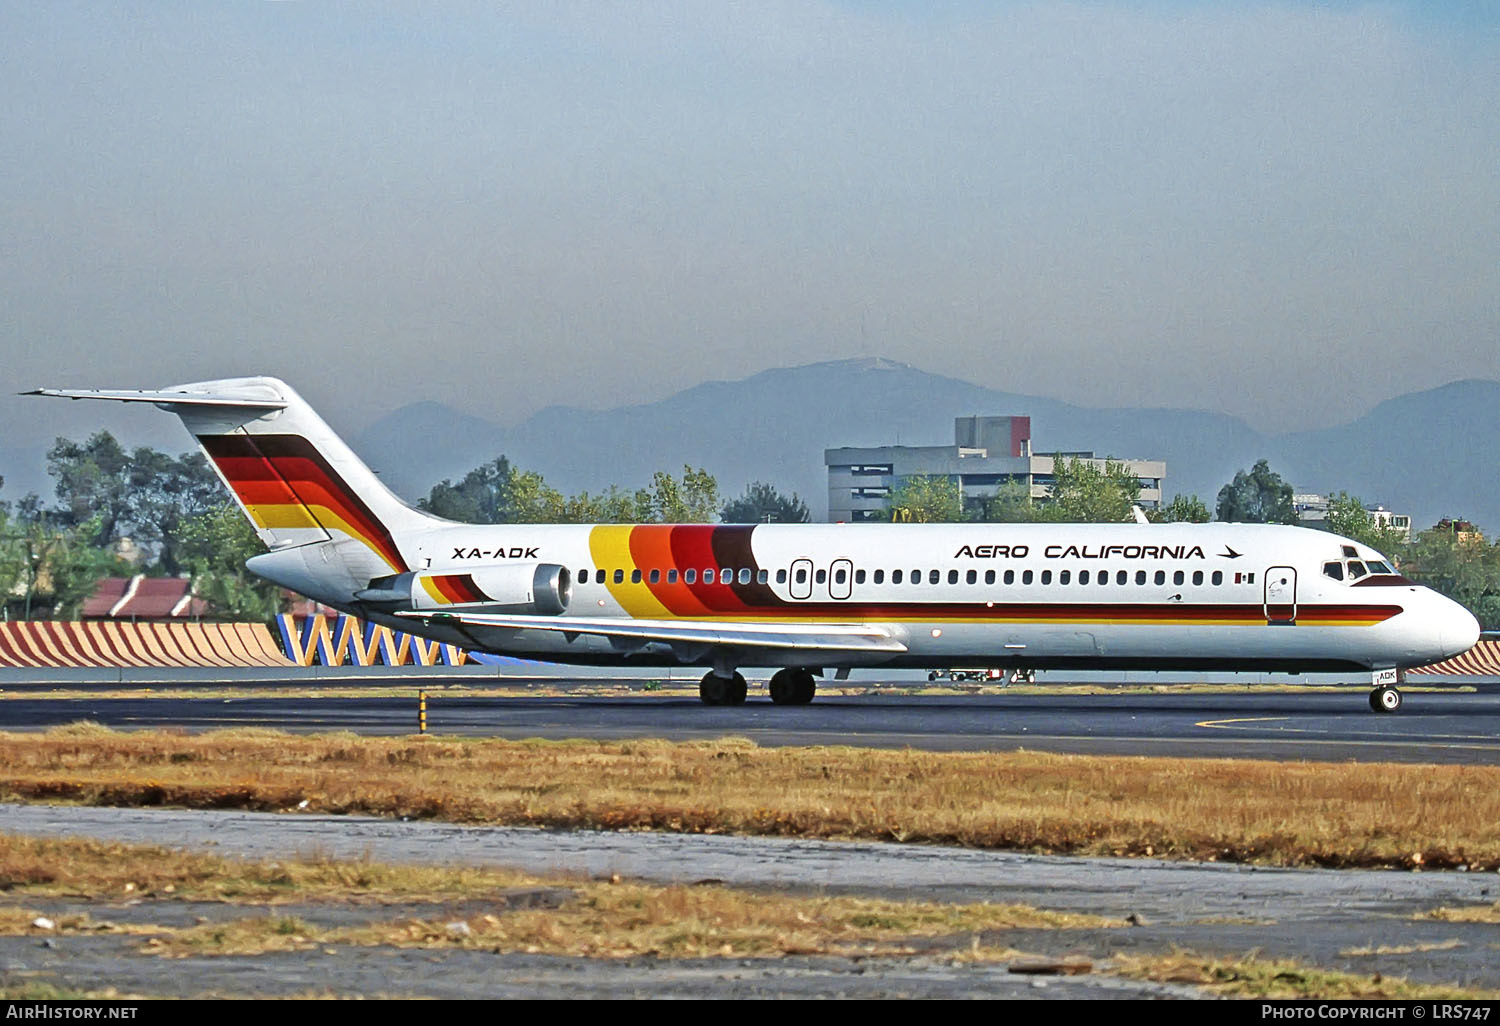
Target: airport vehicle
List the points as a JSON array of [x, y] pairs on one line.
[[984, 674], [806, 598]]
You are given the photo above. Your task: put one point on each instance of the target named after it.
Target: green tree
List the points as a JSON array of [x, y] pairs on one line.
[[1011, 504], [481, 497], [1085, 494], [1183, 509], [1259, 497], [144, 494], [1347, 516], [215, 546], [763, 504], [692, 500], [927, 500], [1463, 567]]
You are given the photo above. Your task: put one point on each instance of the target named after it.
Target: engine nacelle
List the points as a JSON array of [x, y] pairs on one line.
[[540, 589]]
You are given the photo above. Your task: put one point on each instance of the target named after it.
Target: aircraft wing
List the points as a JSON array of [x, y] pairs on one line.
[[688, 637]]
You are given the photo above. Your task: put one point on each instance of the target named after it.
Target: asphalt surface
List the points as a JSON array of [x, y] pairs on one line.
[[1357, 921], [1318, 724]]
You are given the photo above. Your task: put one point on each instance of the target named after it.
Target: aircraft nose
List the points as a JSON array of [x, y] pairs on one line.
[[1460, 630]]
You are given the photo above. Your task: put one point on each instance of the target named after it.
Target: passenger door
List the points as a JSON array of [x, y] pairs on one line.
[[1281, 596]]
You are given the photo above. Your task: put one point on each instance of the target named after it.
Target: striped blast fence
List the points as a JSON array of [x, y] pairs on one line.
[[51, 644], [1483, 660], [341, 640]]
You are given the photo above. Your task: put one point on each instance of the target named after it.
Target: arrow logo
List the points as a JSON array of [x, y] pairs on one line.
[[1229, 553]]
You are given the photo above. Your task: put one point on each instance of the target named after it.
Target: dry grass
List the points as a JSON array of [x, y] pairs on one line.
[[628, 920], [1387, 815], [1467, 914], [601, 919], [1253, 976], [102, 870]]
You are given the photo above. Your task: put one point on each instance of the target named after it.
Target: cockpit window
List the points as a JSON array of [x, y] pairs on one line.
[[1377, 567], [1356, 570], [1334, 570]]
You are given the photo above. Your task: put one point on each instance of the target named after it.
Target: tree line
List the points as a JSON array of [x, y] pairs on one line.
[[182, 523]]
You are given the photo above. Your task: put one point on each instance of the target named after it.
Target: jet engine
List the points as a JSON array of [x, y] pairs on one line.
[[538, 589]]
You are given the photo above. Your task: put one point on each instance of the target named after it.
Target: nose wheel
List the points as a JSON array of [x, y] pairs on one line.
[[1385, 699]]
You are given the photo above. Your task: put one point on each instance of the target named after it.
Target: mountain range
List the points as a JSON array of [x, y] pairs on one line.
[[1422, 453]]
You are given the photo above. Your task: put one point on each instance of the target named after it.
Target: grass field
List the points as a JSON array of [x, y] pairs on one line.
[[1326, 814]]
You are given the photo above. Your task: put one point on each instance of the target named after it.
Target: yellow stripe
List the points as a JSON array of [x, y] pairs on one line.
[[609, 546], [431, 588]]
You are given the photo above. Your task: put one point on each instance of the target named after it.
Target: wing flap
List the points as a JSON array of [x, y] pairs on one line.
[[824, 637]]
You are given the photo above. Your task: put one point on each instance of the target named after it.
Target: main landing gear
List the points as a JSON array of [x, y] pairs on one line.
[[792, 686], [716, 690]]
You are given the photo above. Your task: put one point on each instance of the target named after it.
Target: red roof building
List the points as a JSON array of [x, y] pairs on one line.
[[144, 598]]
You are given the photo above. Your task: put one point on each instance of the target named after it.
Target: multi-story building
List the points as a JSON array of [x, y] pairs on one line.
[[1312, 511], [988, 454]]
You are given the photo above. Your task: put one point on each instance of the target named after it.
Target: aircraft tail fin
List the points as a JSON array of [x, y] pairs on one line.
[[295, 479]]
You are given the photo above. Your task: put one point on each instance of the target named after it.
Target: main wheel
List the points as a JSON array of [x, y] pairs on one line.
[[716, 690], [792, 686], [1385, 699]]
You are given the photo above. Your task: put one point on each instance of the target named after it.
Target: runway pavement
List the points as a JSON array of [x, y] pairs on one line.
[[1321, 723]]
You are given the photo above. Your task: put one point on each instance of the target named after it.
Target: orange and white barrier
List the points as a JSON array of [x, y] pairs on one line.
[[1483, 660], [38, 644]]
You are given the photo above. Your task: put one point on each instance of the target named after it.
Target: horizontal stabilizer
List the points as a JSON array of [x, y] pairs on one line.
[[255, 400]]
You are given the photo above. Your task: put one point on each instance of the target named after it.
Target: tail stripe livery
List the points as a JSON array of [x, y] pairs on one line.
[[283, 481]]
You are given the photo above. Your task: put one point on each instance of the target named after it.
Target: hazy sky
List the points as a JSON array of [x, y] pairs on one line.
[[1286, 212]]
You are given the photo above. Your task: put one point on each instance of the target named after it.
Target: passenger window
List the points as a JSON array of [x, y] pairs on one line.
[[916, 577], [1026, 577], [1140, 577], [1083, 577], [840, 575], [1103, 577], [619, 576], [1218, 577], [895, 576], [952, 576], [655, 576], [1046, 576], [672, 576], [1356, 570], [821, 576], [934, 576], [1121, 577], [1010, 577], [972, 577], [635, 577], [745, 574], [859, 577], [1161, 577], [879, 576], [781, 576], [583, 577], [802, 576], [1197, 576], [690, 576], [989, 577], [1178, 577], [1064, 577]]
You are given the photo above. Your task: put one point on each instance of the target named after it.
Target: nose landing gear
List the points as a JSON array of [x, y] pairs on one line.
[[1386, 698]]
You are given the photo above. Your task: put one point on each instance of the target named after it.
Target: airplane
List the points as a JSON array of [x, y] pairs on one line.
[[805, 598]]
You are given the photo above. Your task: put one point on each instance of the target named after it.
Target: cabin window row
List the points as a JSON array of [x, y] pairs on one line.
[[744, 575]]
